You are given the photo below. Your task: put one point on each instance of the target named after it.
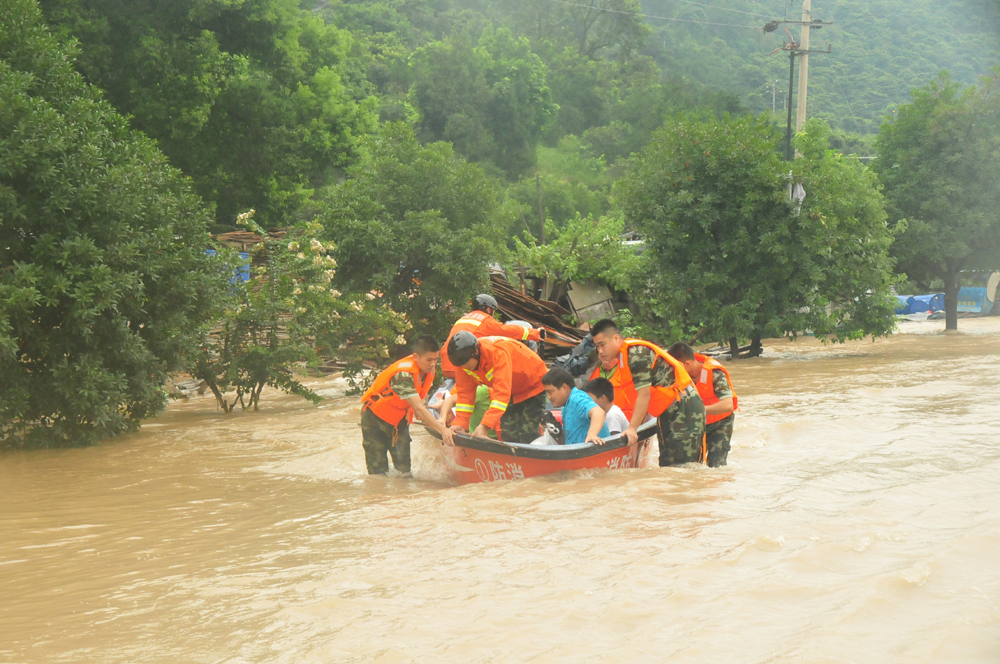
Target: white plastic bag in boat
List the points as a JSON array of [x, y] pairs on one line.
[[545, 439]]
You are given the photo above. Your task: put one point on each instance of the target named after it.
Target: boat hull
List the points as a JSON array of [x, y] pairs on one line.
[[477, 460]]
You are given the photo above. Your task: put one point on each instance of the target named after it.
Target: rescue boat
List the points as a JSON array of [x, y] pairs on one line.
[[473, 460]]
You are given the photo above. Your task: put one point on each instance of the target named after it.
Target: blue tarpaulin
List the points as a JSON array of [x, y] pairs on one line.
[[242, 272]]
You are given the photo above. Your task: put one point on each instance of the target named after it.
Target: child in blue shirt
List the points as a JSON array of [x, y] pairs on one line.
[[582, 419]]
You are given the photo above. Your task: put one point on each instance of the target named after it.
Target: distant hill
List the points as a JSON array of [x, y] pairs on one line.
[[882, 49]]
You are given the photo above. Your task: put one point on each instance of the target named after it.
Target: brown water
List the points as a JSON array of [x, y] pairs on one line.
[[858, 521]]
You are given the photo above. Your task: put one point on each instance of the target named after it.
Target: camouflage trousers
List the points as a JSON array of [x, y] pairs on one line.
[[520, 421], [681, 430], [381, 439], [717, 437]]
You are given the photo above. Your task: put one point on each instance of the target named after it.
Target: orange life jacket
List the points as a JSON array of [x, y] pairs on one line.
[[706, 386], [380, 398], [660, 397], [481, 324], [511, 371]]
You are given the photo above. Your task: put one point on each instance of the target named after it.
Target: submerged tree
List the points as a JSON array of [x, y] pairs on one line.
[[939, 159], [731, 257], [104, 282]]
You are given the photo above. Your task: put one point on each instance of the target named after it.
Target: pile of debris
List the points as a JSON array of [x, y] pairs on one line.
[[245, 240], [540, 313]]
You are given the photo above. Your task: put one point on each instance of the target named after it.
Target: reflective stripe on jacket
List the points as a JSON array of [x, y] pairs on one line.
[[384, 402], [706, 386], [660, 397], [511, 371], [481, 324]]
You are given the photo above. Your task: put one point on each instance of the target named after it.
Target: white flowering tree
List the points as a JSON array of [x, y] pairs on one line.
[[288, 316]]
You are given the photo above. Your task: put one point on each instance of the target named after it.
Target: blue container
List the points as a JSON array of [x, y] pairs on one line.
[[918, 305], [973, 300], [937, 302], [903, 307]]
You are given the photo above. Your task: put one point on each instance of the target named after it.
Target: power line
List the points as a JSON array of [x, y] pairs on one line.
[[724, 9], [662, 18]]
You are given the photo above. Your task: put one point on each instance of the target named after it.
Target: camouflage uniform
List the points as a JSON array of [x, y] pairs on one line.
[[681, 427], [718, 434], [381, 438], [521, 421]]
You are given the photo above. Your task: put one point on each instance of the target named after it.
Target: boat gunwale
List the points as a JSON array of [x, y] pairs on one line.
[[546, 452]]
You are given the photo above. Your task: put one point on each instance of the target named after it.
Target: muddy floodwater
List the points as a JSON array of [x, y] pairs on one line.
[[858, 521]]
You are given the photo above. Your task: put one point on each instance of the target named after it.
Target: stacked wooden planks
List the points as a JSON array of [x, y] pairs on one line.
[[540, 313]]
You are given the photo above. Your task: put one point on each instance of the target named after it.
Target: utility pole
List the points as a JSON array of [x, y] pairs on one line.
[[800, 113], [774, 96], [801, 50], [789, 155], [541, 210]]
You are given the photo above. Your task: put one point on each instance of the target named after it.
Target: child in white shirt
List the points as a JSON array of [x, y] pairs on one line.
[[603, 393]]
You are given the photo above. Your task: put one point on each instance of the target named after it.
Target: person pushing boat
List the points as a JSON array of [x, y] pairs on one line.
[[715, 388], [648, 380], [389, 404], [513, 375], [480, 323]]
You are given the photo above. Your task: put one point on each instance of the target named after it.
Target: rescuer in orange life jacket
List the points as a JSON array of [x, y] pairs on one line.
[[389, 404], [648, 380], [480, 323], [712, 381], [514, 375]]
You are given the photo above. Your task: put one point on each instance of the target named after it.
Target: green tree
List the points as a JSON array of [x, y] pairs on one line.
[[731, 258], [583, 249], [104, 283], [417, 225], [259, 102], [489, 100], [847, 240], [939, 159], [287, 316], [591, 27]]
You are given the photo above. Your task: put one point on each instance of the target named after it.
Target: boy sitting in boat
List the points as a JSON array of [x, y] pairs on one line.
[[582, 419], [389, 405], [603, 393]]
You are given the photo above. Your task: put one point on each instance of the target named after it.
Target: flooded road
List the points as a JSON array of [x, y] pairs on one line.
[[858, 521]]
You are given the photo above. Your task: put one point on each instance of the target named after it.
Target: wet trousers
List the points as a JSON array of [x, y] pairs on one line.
[[520, 422], [717, 437], [681, 430], [381, 440]]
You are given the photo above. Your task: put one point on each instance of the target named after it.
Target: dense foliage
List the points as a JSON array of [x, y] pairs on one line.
[[288, 315], [259, 102], [489, 100], [583, 249], [417, 225], [418, 142], [731, 257], [103, 278], [939, 158]]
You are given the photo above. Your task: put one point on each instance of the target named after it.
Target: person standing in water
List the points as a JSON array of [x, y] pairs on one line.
[[648, 380], [715, 388], [389, 404]]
